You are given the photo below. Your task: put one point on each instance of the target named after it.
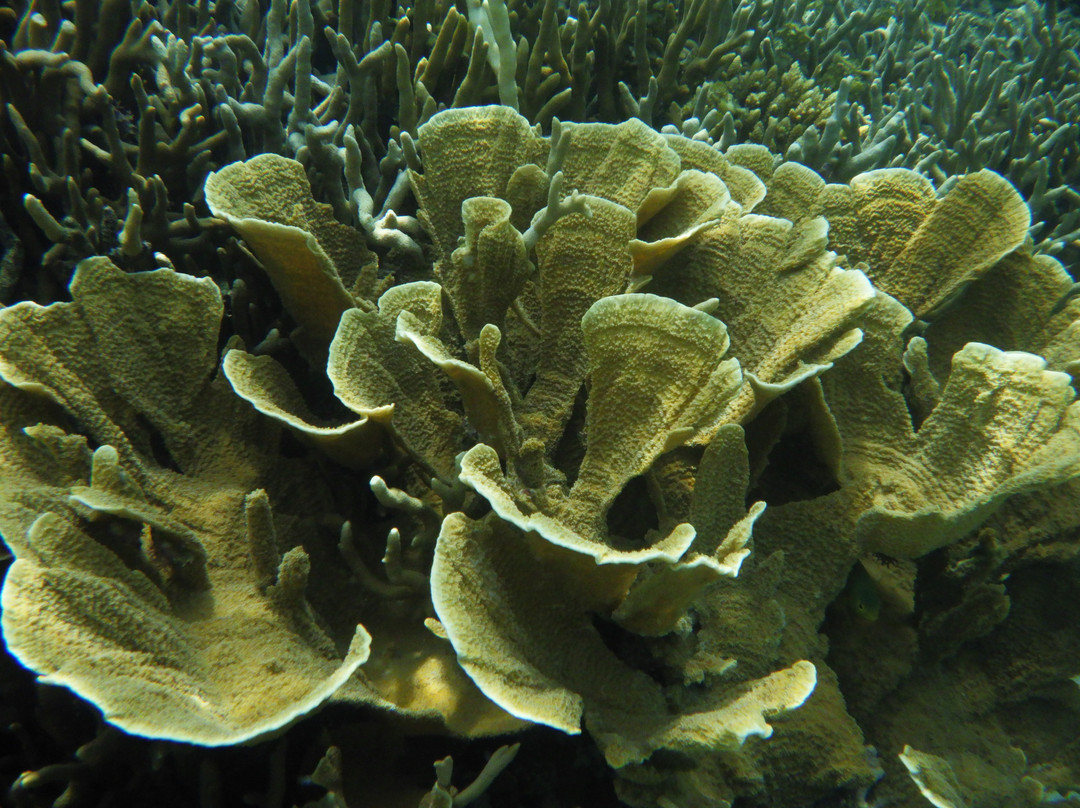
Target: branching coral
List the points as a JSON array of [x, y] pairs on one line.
[[141, 106]]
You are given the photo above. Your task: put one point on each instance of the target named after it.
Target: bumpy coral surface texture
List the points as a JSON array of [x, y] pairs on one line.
[[765, 484]]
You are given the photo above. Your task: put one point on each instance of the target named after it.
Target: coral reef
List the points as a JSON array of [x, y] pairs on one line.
[[684, 392], [509, 408]]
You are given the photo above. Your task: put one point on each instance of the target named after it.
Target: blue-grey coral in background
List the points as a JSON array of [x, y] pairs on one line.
[[109, 128], [943, 97]]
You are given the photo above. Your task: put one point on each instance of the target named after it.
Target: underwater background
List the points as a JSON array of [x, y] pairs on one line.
[[946, 641]]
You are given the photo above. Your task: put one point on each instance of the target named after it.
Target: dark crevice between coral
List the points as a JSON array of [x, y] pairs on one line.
[[159, 449], [794, 472], [174, 563], [570, 449], [631, 649], [632, 516]]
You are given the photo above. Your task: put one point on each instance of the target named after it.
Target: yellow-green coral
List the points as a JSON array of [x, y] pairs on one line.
[[169, 636], [564, 434]]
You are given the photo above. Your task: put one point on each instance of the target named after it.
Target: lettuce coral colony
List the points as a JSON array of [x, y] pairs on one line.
[[679, 393]]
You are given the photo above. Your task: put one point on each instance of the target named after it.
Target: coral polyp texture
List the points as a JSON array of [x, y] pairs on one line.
[[576, 441], [678, 395]]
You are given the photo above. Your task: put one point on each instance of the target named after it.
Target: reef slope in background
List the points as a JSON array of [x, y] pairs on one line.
[[685, 392]]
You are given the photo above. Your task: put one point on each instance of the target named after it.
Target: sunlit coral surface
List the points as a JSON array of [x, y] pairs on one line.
[[763, 480]]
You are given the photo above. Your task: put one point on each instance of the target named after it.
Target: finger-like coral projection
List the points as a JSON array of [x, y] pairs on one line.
[[682, 448]]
